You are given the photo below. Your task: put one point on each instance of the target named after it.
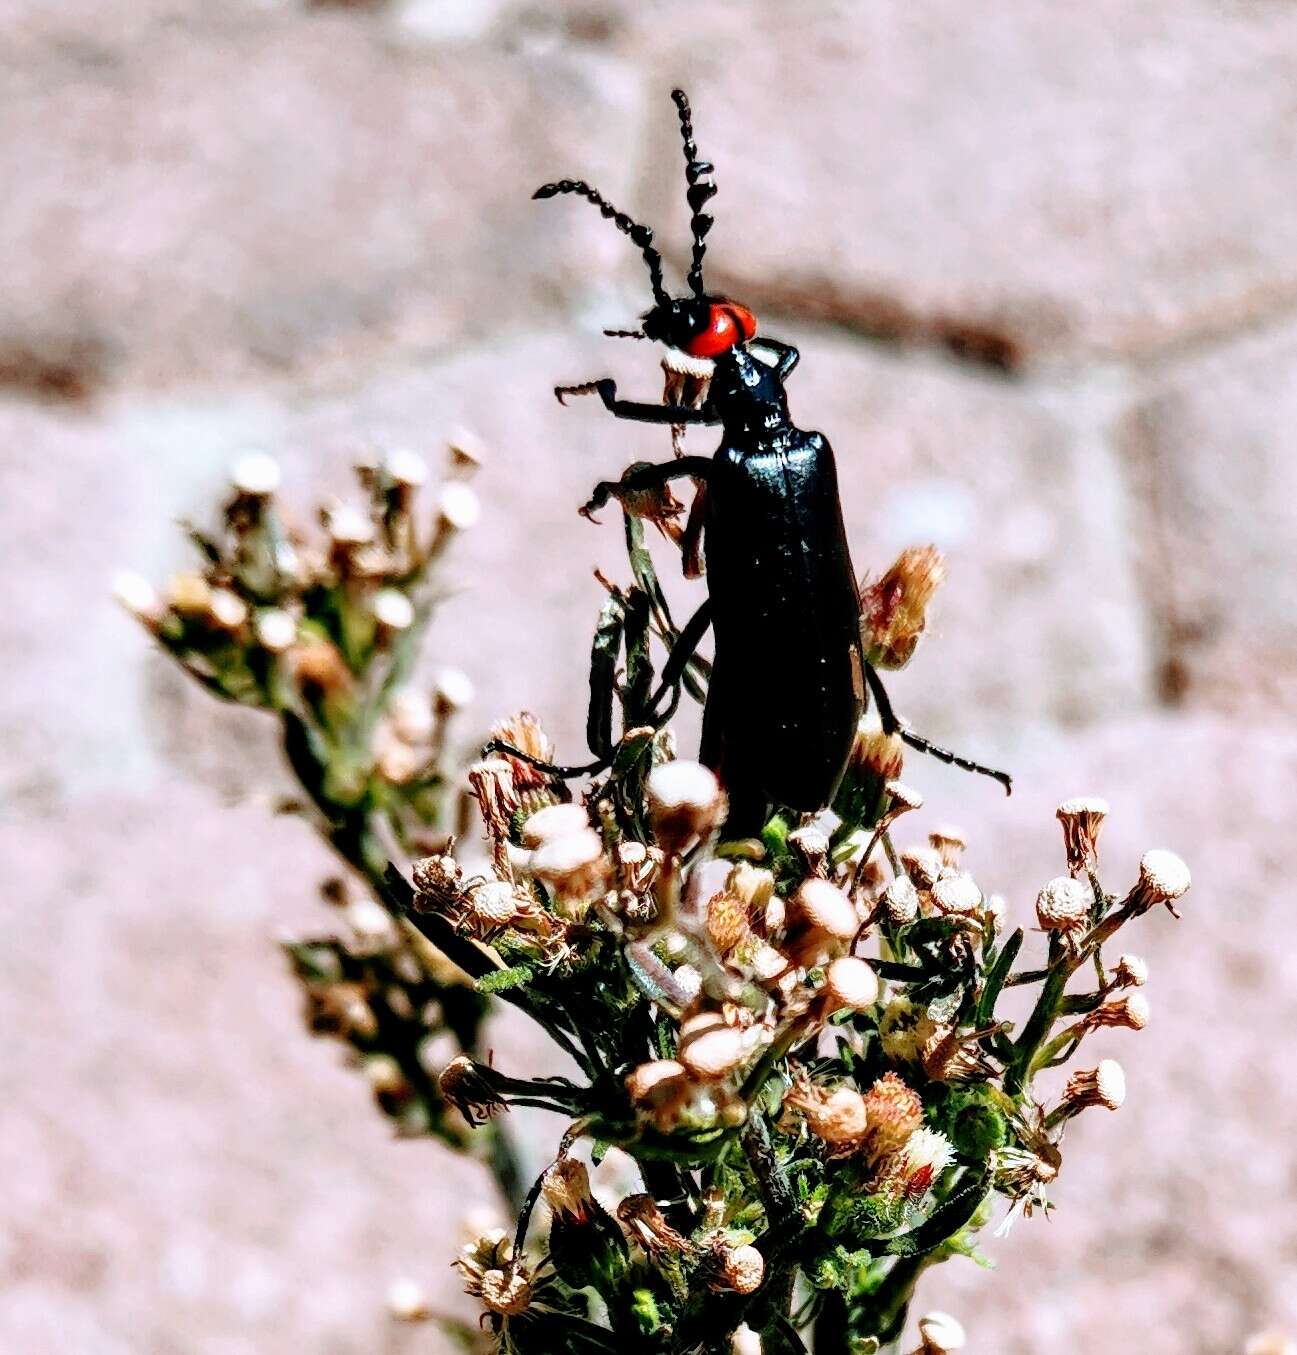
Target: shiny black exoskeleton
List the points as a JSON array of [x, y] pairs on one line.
[[790, 674]]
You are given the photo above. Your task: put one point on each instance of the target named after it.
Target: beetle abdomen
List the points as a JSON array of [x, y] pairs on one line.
[[788, 677]]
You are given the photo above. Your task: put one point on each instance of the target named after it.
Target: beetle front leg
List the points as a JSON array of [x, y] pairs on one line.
[[787, 357], [647, 477], [638, 410]]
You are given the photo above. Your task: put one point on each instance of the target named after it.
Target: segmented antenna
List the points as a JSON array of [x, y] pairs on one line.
[[625, 334], [640, 235], [701, 189]]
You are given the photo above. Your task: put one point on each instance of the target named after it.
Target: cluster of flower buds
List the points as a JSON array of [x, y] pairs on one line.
[[390, 999], [321, 627]]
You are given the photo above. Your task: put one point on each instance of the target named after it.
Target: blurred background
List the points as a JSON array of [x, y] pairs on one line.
[[1041, 261]]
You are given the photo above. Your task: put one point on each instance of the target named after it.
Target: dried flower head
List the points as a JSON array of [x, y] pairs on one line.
[[685, 804], [659, 1091], [894, 1111], [255, 474], [918, 1165], [647, 1225], [1130, 971], [1129, 1013], [554, 821], [738, 1269], [727, 921], [573, 865], [1102, 1086], [922, 865], [713, 1052], [900, 902], [894, 607], [905, 1028], [1163, 878], [1063, 907], [565, 1187], [949, 843], [956, 895], [837, 1117], [470, 1087], [822, 922], [940, 1334], [439, 883], [406, 1301], [850, 983], [523, 732], [1082, 819]]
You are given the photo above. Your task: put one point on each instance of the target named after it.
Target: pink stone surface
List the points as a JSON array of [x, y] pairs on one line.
[[307, 229]]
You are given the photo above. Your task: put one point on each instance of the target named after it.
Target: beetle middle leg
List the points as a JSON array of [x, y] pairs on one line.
[[893, 725], [648, 477]]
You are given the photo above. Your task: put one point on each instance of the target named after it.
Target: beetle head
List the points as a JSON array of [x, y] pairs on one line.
[[699, 326]]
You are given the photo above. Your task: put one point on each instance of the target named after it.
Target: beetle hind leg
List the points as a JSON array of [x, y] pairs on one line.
[[892, 724], [554, 769]]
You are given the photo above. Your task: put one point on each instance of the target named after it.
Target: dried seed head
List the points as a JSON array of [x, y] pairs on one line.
[[1064, 905], [900, 902], [879, 754], [411, 715], [949, 843], [740, 1269], [406, 1301], [275, 629], [574, 864], [713, 1053], [348, 527], [812, 847], [645, 1222], [917, 1166], [685, 804], [956, 895], [837, 1117], [1163, 878], [452, 691], [922, 865], [189, 594], [134, 592], [753, 884], [226, 610], [468, 1087], [894, 1111], [255, 474], [523, 732], [1102, 1086], [850, 982], [901, 799], [904, 1029], [467, 451], [405, 468], [894, 607], [954, 1055], [440, 883], [392, 609], [320, 670], [1129, 1013], [507, 1292], [492, 783], [654, 1085], [1082, 819], [940, 1334], [554, 821], [458, 507], [727, 921], [492, 904], [823, 922], [1130, 972], [566, 1188]]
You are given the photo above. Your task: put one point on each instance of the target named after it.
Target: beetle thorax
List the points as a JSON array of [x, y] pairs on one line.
[[748, 396]]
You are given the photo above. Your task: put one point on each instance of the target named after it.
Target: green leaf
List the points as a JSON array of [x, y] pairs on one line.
[[993, 984], [947, 1220]]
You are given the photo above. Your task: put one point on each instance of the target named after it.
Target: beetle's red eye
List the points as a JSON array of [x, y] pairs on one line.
[[746, 320], [721, 334]]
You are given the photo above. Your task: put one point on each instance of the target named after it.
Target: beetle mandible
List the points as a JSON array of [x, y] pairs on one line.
[[790, 677]]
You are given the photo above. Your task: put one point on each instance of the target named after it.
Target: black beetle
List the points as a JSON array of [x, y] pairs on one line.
[[790, 674]]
